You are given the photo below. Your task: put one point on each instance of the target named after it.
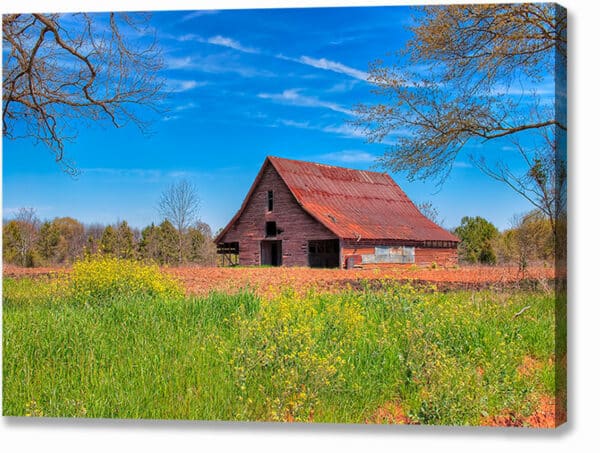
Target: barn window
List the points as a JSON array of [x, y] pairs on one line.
[[271, 229], [270, 201]]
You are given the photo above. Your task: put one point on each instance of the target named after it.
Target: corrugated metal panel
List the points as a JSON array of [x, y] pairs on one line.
[[357, 203]]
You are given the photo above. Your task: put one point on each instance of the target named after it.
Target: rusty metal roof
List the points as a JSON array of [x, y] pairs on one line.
[[352, 204], [357, 203]]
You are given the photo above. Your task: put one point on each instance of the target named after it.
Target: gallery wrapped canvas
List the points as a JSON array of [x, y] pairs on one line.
[[316, 215]]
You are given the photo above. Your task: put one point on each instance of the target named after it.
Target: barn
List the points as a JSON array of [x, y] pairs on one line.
[[308, 214]]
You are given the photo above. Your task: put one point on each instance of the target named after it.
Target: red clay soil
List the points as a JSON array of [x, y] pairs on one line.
[[268, 280], [390, 413], [550, 414], [265, 280]]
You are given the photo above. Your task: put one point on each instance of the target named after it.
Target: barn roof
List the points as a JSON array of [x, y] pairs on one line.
[[352, 203]]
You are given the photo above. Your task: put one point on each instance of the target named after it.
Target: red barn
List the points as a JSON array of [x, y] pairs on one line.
[[307, 214]]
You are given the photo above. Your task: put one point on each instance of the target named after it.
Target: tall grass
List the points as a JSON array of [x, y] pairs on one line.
[[446, 358]]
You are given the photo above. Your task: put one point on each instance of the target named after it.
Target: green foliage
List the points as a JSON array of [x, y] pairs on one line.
[[11, 243], [100, 278], [124, 246], [48, 241], [168, 243], [447, 358], [108, 241], [477, 236]]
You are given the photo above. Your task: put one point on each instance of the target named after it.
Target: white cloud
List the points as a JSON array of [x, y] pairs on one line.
[[349, 156], [297, 124], [187, 106], [334, 66], [179, 63], [293, 97], [195, 14], [178, 86], [462, 165], [231, 43], [345, 130]]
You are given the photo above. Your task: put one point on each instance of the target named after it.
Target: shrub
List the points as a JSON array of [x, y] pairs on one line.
[[107, 277]]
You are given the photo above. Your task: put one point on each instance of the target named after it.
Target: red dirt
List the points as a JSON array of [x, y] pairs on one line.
[[550, 414], [269, 280], [529, 366], [390, 413], [265, 280]]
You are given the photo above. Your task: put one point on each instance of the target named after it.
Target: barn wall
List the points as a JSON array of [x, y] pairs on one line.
[[423, 255], [298, 226]]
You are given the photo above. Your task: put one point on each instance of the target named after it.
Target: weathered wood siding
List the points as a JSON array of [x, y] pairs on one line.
[[297, 226], [423, 255]]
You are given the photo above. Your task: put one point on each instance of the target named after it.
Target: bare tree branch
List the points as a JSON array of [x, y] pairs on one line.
[[61, 69]]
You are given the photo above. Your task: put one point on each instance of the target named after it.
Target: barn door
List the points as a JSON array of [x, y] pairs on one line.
[[270, 253]]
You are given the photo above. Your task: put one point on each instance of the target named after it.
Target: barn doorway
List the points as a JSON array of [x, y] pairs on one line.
[[324, 253], [270, 253]]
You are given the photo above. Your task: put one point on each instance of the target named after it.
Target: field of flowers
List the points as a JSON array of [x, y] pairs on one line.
[[124, 340]]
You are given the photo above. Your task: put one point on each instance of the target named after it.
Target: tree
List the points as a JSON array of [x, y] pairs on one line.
[[48, 241], [474, 74], [529, 240], [477, 236], [430, 211], [19, 237], [72, 239], [168, 244], [200, 247], [124, 242], [179, 204], [149, 245], [108, 242], [59, 68]]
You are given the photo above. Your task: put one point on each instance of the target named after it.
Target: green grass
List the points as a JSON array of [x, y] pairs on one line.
[[446, 358]]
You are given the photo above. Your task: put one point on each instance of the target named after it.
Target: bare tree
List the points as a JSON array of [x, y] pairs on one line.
[[472, 72], [59, 69], [179, 204], [30, 227]]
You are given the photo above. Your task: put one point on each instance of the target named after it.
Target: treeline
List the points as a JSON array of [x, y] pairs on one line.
[[29, 242], [530, 241]]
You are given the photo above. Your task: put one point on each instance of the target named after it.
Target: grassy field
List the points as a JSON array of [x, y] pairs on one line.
[[92, 346]]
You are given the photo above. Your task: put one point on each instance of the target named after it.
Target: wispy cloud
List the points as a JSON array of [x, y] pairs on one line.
[[343, 87], [319, 63], [334, 66], [460, 164], [231, 43], [344, 130], [179, 63], [148, 174], [178, 86], [349, 156], [187, 106], [293, 97], [195, 14]]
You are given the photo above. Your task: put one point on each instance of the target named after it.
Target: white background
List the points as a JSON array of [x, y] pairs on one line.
[[581, 432]]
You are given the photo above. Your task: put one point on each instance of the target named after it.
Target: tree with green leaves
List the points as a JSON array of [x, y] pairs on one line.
[[168, 244], [477, 236], [473, 74], [48, 241], [124, 242], [108, 242]]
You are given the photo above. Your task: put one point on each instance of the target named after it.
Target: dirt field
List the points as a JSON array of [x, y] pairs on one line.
[[202, 280]]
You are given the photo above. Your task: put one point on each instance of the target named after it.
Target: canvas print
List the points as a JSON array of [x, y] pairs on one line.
[[312, 215]]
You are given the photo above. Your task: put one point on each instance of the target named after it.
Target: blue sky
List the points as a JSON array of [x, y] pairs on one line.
[[245, 84]]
